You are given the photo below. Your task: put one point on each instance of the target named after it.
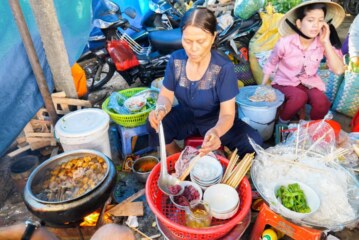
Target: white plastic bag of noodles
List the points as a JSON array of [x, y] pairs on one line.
[[310, 156], [245, 9]]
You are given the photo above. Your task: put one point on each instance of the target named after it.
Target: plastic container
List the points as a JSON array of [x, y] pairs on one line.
[[128, 120], [173, 219], [84, 129], [21, 169], [259, 115]]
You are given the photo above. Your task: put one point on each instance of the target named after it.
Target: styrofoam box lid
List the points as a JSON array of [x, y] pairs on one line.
[[82, 123], [245, 92]]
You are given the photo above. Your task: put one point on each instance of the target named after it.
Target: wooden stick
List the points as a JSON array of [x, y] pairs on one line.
[[129, 199], [241, 165], [232, 162], [239, 179], [242, 169], [135, 229]]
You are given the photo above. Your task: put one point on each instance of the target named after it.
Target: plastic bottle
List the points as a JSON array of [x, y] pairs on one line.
[[269, 234]]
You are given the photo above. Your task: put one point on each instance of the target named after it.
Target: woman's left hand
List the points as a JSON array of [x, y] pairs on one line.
[[324, 35], [210, 143]]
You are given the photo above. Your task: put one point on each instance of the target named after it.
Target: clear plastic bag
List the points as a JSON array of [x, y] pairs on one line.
[[310, 156]]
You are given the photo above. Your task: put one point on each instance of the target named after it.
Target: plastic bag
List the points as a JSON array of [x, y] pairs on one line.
[[79, 77], [245, 9], [262, 43], [310, 158], [122, 55], [115, 103]]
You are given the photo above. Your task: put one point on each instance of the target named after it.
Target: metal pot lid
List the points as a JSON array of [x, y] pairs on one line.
[[245, 92], [82, 123], [39, 175]]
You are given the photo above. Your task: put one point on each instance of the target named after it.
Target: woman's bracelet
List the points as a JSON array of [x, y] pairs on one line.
[[160, 107]]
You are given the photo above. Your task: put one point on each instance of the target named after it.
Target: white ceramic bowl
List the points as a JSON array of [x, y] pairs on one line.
[[135, 104], [311, 196], [224, 216], [222, 198], [207, 168], [184, 184]]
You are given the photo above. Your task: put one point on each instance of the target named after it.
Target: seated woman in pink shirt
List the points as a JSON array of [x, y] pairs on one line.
[[296, 57]]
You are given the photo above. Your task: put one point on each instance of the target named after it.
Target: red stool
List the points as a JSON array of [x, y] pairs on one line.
[[267, 217], [196, 142]]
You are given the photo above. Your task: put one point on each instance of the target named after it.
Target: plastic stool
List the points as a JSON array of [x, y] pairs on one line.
[[267, 216], [196, 142], [126, 139]]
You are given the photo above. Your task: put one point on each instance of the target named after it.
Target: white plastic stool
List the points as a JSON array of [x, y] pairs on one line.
[[126, 139]]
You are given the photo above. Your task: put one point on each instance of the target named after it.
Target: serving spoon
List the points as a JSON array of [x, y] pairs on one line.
[[166, 180]]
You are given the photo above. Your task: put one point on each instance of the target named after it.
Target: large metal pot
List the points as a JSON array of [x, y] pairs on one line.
[[73, 210]]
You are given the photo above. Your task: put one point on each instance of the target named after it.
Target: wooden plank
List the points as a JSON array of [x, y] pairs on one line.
[[127, 200], [21, 140], [74, 102], [129, 209], [40, 135], [28, 129], [18, 151], [59, 94]]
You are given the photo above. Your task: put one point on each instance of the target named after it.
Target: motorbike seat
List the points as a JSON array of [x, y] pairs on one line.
[[166, 41]]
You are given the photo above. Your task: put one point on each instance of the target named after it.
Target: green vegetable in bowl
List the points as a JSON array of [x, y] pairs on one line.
[[293, 198]]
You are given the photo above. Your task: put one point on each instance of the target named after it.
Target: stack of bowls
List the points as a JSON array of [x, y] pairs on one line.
[[206, 172], [223, 200]]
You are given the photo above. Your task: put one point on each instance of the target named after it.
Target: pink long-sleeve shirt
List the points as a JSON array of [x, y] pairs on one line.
[[294, 65]]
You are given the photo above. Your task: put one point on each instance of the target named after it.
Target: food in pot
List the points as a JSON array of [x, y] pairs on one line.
[[189, 194], [147, 166], [293, 198], [72, 179]]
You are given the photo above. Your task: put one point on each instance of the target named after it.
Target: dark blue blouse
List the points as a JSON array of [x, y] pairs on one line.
[[202, 98]]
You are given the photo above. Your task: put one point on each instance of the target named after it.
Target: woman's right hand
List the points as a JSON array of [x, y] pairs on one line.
[[155, 117]]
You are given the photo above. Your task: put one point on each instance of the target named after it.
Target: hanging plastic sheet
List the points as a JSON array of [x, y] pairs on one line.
[[20, 95]]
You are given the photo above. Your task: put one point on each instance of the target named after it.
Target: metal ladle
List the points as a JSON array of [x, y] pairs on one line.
[[166, 180]]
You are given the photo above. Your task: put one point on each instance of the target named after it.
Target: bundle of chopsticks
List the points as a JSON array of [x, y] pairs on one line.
[[236, 171]]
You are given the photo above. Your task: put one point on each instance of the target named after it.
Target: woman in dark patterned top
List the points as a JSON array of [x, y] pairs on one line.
[[205, 85]]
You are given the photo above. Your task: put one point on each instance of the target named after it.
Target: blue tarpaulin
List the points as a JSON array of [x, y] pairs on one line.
[[19, 95]]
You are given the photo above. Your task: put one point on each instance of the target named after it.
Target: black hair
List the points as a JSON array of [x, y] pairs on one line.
[[301, 12], [200, 17]]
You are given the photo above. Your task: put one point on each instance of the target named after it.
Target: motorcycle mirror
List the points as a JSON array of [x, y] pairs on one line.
[[131, 12]]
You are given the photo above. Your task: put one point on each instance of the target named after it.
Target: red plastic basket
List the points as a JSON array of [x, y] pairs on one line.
[[174, 218]]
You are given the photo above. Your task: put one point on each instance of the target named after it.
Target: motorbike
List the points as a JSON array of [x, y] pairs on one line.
[[149, 45], [144, 54]]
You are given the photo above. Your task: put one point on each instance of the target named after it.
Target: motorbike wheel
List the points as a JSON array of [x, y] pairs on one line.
[[101, 72]]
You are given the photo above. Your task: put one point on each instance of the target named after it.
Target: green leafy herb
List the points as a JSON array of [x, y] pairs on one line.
[[293, 198]]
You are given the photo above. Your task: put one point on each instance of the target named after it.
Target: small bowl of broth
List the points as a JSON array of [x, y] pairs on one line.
[[143, 166]]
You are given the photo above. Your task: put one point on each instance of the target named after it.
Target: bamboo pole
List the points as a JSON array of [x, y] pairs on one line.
[[34, 61], [54, 45]]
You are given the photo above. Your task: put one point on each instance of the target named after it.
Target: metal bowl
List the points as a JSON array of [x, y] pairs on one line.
[[143, 166]]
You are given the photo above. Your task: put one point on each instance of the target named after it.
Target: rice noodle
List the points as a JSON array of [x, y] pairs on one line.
[[336, 187]]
